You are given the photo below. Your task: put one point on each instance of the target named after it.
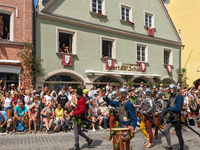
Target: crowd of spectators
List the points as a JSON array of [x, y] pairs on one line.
[[20, 104]]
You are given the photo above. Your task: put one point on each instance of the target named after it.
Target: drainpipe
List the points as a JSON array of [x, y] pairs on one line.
[[33, 37]]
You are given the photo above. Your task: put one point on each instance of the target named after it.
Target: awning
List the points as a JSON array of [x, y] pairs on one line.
[[10, 61], [121, 73]]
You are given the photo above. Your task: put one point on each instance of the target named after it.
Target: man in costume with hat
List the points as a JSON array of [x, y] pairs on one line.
[[175, 107], [79, 111]]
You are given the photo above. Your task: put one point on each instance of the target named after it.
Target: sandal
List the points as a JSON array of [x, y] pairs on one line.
[[35, 131], [25, 130], [14, 131], [29, 131]]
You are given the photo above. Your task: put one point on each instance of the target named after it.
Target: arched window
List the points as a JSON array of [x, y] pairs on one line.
[[166, 82], [55, 82], [102, 81]]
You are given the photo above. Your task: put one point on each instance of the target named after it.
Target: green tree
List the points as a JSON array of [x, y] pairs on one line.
[[129, 81], [182, 73], [32, 65], [157, 81]]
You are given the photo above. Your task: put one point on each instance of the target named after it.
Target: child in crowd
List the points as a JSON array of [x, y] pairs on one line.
[[32, 118]]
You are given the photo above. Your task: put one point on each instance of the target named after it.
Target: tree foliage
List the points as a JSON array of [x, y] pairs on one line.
[[157, 81], [182, 73], [129, 81], [31, 63]]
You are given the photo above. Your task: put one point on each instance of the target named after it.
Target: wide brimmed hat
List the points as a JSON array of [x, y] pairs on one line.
[[72, 90], [32, 106], [101, 101]]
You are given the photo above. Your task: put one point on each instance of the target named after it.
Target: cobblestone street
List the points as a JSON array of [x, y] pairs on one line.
[[64, 141]]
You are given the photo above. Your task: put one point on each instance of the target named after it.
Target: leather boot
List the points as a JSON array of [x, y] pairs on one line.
[[169, 148], [76, 147], [89, 141], [147, 142]]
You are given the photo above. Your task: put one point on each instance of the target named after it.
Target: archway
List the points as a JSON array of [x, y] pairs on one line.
[[146, 81], [62, 77], [196, 83], [103, 80], [167, 81], [55, 82]]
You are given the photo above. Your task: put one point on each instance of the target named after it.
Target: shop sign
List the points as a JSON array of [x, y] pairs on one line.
[[127, 67]]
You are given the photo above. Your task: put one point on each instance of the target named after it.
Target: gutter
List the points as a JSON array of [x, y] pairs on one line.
[[33, 38]]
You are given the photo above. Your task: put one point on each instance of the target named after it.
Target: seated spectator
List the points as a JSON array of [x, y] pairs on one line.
[[48, 98], [28, 100], [20, 114], [67, 49], [37, 105], [59, 115], [72, 98], [13, 90], [22, 95], [15, 100], [63, 88], [2, 88], [55, 96], [94, 113], [39, 90], [32, 118], [103, 107], [62, 99], [48, 114], [7, 103], [68, 109], [33, 93], [4, 120], [3, 100]]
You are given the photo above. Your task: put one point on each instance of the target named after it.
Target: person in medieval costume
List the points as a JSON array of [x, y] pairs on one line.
[[127, 117], [175, 107], [79, 112], [147, 111], [137, 104], [159, 107], [113, 111]]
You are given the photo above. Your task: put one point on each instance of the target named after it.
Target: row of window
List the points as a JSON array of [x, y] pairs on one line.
[[67, 44], [98, 6]]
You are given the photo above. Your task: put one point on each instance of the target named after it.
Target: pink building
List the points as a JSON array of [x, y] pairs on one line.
[[15, 29]]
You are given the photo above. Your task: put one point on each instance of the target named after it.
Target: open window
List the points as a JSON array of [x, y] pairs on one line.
[[108, 47], [66, 41], [5, 26]]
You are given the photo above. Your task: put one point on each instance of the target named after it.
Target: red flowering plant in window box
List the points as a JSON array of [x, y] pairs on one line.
[[130, 22], [101, 14]]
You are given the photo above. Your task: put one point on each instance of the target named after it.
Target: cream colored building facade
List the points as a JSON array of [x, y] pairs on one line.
[[185, 15]]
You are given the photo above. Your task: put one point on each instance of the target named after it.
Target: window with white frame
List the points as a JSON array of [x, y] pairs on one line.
[[125, 13], [66, 41], [107, 48], [97, 6], [7, 25], [167, 57], [149, 20], [142, 53]]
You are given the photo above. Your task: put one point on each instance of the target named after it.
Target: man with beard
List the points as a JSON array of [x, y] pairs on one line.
[[79, 112]]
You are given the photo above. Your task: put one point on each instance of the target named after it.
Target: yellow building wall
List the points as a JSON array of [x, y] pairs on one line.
[[185, 15]]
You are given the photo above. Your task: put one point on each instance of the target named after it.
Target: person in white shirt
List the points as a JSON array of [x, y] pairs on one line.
[[28, 100], [47, 98], [7, 102], [107, 86]]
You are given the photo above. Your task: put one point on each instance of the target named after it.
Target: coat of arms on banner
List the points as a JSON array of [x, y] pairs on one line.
[[109, 64], [169, 69], [143, 67], [67, 60]]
